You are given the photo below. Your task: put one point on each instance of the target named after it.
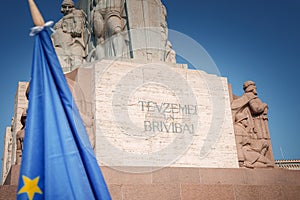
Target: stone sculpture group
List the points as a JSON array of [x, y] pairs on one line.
[[251, 129], [101, 31]]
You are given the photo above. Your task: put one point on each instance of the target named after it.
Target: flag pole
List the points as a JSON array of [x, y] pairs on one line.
[[35, 14]]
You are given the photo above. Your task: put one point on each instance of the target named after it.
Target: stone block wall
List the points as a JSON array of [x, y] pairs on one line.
[[195, 183], [159, 115]]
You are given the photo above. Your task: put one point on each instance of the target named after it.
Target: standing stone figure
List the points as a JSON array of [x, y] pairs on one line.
[[108, 26], [20, 138], [259, 111], [254, 138], [170, 56], [98, 22], [71, 37]]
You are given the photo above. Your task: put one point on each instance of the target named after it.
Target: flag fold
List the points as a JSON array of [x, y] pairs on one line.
[[58, 161]]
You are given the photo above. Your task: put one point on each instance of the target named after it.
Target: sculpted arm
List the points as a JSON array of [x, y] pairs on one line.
[[257, 106]]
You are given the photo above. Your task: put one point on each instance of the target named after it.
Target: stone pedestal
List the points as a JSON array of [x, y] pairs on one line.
[[195, 183], [165, 132], [156, 114], [13, 175], [8, 192], [204, 183], [159, 115]]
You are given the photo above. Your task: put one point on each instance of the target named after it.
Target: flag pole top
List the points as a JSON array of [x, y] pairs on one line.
[[37, 18]]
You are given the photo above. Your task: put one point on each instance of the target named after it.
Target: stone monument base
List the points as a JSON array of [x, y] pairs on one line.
[[195, 183], [155, 114], [204, 183], [13, 175]]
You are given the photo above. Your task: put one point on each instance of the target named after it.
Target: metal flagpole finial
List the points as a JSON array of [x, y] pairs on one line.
[[35, 13]]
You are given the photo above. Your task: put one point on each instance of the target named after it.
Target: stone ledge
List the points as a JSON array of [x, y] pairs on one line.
[[202, 191], [8, 192], [182, 175], [195, 183]]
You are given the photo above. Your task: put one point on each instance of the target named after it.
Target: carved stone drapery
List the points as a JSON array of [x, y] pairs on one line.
[[135, 29], [251, 129], [108, 25]]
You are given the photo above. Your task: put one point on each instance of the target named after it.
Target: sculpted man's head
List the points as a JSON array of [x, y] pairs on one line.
[[67, 6], [249, 86]]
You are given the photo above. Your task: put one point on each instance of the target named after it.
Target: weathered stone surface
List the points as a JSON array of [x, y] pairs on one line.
[[226, 184], [195, 183], [8, 192], [128, 133], [115, 191], [124, 30], [71, 36], [176, 175], [260, 192], [115, 177], [151, 191], [7, 153], [13, 175], [222, 176], [10, 146], [81, 85], [21, 103], [20, 138], [210, 192], [291, 191], [149, 31]]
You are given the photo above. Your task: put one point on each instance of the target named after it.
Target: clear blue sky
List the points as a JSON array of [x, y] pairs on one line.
[[255, 40]]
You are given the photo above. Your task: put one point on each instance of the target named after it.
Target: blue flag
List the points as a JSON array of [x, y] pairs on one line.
[[58, 161]]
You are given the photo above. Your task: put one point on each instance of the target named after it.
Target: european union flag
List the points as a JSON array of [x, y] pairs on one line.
[[58, 160]]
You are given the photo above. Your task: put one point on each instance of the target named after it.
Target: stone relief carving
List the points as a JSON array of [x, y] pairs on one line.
[[255, 153], [20, 138], [21, 132], [251, 129], [71, 37], [108, 25], [9, 154], [7, 164], [170, 56]]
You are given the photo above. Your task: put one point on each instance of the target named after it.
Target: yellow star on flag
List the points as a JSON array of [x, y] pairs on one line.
[[30, 187]]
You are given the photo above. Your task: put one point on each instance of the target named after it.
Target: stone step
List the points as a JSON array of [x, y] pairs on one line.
[[187, 191], [193, 183], [203, 191]]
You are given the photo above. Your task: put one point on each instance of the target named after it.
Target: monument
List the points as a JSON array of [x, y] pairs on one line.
[[159, 129], [140, 118]]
